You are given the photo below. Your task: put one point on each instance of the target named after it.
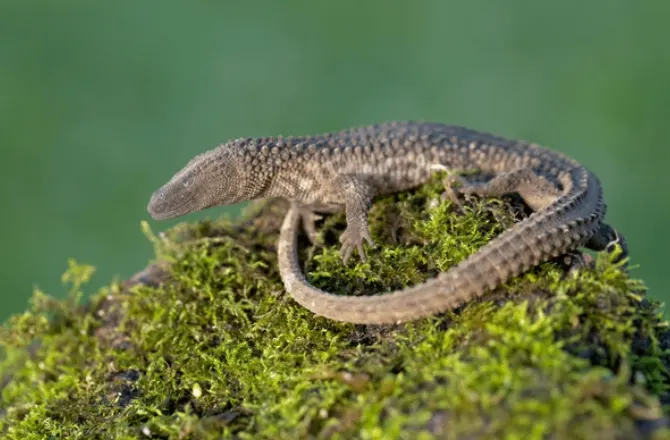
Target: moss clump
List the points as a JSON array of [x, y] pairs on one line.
[[204, 343]]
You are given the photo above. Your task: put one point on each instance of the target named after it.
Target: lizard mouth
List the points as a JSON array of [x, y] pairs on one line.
[[161, 207]]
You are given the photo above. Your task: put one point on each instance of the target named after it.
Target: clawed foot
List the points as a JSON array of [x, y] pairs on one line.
[[450, 193], [352, 238]]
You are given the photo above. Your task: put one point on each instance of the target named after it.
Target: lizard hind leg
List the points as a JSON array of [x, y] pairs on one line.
[[535, 190]]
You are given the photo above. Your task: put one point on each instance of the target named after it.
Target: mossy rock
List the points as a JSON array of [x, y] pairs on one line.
[[205, 344]]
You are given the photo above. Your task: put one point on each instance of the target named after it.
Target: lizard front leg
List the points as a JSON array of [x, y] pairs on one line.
[[357, 195]]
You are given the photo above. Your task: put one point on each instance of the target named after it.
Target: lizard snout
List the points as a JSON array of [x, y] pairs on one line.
[[172, 201], [157, 205]]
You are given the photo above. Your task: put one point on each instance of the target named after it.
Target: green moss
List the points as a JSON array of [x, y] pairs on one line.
[[205, 344]]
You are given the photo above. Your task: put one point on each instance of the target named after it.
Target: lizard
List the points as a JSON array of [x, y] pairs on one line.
[[346, 169]]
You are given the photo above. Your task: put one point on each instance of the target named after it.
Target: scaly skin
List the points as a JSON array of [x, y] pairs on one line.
[[347, 169]]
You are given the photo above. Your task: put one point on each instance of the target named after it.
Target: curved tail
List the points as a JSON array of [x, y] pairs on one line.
[[562, 226]]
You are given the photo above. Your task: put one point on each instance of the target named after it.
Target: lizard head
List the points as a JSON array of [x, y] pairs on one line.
[[209, 179]]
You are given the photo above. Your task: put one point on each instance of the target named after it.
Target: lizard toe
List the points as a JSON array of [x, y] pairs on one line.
[[352, 239]]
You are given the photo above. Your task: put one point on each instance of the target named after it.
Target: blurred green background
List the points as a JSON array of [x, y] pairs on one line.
[[101, 102]]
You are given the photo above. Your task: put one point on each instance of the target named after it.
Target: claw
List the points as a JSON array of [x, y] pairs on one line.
[[354, 240], [452, 177], [345, 252]]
